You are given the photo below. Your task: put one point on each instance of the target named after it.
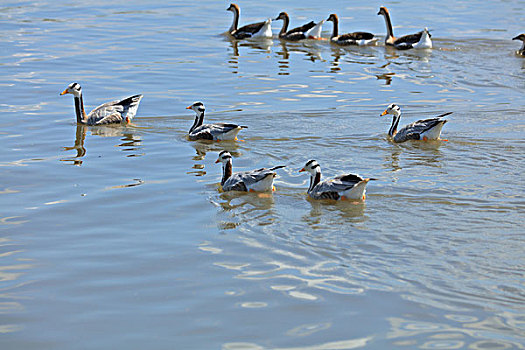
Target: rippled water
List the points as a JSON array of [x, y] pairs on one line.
[[117, 237]]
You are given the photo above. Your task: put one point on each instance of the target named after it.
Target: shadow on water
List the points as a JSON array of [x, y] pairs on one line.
[[130, 142], [202, 147]]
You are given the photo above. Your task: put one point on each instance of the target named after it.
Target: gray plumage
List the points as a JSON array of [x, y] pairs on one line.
[[216, 131], [113, 112]]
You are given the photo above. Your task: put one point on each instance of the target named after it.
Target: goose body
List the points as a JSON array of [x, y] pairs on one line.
[[420, 40], [113, 112], [355, 38], [425, 129], [348, 186], [298, 33], [216, 131], [521, 51], [258, 180], [254, 30]]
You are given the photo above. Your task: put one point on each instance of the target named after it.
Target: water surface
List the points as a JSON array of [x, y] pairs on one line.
[[117, 237]]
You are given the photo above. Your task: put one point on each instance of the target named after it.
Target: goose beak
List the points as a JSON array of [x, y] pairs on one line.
[[302, 170], [217, 161], [385, 112], [189, 107], [516, 38], [64, 92]]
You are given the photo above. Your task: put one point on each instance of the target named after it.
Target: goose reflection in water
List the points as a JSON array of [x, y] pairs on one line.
[[130, 142], [330, 212], [251, 208]]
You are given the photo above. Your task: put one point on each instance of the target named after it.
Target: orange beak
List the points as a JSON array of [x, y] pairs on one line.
[[189, 107], [302, 170], [382, 114], [64, 92], [217, 161]]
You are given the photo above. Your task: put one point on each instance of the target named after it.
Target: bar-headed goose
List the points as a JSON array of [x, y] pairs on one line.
[[216, 131], [419, 40], [355, 38], [521, 51], [425, 129], [258, 180], [299, 33], [348, 186], [254, 30], [113, 112]]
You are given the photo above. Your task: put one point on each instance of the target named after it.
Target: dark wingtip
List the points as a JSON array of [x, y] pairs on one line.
[[243, 127]]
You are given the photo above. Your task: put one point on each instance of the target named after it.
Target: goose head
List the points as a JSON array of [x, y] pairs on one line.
[[233, 8], [392, 109], [312, 167], [224, 157], [74, 89], [283, 15], [333, 17], [197, 107], [519, 37], [383, 11]]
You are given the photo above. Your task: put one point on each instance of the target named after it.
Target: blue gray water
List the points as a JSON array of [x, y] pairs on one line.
[[117, 237]]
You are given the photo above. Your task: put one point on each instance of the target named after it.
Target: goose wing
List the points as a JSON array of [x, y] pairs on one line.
[[414, 130], [406, 42], [248, 30], [243, 180], [115, 111], [302, 29], [331, 189], [356, 36], [212, 131]]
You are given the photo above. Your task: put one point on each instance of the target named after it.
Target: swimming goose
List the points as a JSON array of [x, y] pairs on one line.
[[419, 40], [109, 113], [356, 38], [426, 129], [347, 186], [521, 51], [295, 34], [259, 180], [260, 29], [217, 131]]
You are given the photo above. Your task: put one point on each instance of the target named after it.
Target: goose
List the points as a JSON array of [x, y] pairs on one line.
[[521, 51], [217, 131], [348, 186], [258, 180], [419, 40], [114, 112], [426, 129], [299, 33], [356, 38], [254, 30]]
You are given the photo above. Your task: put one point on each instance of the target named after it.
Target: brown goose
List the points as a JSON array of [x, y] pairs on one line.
[[425, 129], [355, 38], [419, 40], [259, 180], [347, 186], [254, 30], [521, 51], [114, 112], [295, 34]]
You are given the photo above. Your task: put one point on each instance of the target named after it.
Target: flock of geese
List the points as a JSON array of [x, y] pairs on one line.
[[348, 186]]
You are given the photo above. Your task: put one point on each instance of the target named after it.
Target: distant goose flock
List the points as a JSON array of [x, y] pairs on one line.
[[348, 186]]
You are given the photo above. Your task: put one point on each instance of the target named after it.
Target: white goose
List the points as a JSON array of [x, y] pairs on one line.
[[419, 40], [254, 30], [521, 51], [425, 129], [259, 180], [216, 131], [347, 186], [108, 113], [309, 30], [355, 38]]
